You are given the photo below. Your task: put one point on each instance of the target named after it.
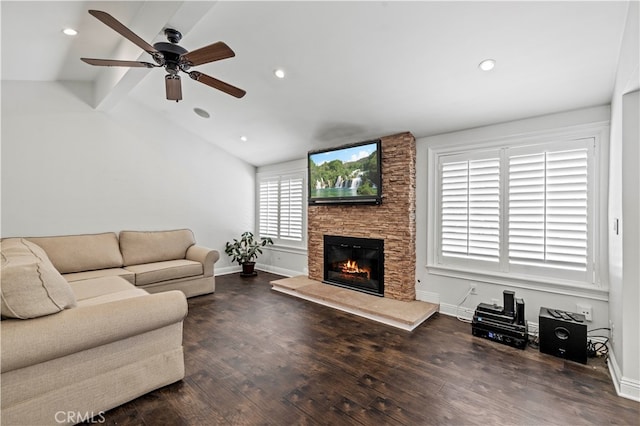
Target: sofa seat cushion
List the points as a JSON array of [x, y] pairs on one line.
[[140, 247], [104, 289], [77, 253], [111, 272], [96, 287], [150, 273], [31, 286]]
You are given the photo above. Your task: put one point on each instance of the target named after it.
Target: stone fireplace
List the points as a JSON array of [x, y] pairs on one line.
[[392, 222]]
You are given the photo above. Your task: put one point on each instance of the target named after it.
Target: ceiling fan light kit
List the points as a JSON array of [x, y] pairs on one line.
[[171, 57]]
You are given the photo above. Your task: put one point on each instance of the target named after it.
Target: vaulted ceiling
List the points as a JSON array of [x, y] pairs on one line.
[[354, 70]]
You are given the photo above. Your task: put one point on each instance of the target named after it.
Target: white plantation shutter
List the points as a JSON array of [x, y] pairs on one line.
[[291, 208], [470, 209], [548, 209], [281, 207], [455, 208], [268, 207]]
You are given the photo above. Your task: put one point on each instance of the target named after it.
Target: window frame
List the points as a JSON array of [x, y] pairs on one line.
[[515, 276]]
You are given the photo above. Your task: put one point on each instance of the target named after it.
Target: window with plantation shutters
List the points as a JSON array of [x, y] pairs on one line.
[[525, 209], [281, 208], [470, 199], [548, 214]]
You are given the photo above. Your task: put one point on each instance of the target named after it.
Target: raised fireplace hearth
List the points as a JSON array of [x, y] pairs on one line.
[[354, 263]]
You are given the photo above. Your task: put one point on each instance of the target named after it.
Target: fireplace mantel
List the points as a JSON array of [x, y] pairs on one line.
[[393, 221]]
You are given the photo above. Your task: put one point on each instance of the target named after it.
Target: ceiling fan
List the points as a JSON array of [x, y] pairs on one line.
[[172, 57]]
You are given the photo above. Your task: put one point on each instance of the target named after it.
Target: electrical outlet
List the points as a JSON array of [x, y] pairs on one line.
[[473, 288], [584, 310]]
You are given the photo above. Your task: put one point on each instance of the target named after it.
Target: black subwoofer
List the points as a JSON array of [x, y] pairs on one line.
[[563, 334]]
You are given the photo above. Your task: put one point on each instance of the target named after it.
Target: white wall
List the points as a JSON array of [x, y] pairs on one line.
[[449, 291], [68, 169], [624, 184]]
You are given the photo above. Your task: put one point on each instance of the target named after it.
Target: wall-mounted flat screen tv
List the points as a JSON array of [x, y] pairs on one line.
[[347, 174]]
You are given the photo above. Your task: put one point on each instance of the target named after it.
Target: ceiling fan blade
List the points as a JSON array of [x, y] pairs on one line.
[[117, 63], [217, 84], [125, 32], [173, 86], [210, 53]]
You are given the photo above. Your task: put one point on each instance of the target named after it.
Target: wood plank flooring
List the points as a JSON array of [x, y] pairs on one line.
[[258, 357]]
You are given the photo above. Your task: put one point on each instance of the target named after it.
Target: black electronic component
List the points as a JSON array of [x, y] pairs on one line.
[[563, 334], [502, 324], [509, 303], [508, 334], [520, 311], [493, 309]]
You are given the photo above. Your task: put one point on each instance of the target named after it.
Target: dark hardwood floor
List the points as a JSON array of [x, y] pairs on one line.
[[257, 357]]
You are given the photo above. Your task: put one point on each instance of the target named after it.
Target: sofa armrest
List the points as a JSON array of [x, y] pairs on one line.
[[204, 255], [28, 342]]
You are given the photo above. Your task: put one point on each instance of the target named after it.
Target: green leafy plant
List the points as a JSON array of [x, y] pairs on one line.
[[246, 249]]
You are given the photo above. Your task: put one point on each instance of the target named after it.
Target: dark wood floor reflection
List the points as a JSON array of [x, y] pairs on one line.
[[257, 357]]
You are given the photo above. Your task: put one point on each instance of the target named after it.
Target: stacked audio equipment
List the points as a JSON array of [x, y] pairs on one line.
[[563, 334], [505, 324]]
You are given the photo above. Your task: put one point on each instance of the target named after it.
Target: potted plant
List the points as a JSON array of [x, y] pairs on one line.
[[245, 251]]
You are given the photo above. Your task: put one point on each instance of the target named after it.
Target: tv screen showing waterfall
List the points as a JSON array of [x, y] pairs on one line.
[[347, 174]]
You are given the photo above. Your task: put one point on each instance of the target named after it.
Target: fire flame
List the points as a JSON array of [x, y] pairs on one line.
[[351, 267]]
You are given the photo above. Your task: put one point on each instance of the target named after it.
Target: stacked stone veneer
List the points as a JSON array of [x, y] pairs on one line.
[[394, 221]]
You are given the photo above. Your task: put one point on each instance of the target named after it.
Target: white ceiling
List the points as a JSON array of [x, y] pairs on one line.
[[355, 70]]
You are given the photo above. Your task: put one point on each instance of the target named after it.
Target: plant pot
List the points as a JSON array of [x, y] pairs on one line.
[[248, 269]]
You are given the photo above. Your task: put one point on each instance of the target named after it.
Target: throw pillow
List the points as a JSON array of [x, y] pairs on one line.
[[31, 286]]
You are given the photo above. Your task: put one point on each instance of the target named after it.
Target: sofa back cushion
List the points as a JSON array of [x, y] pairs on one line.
[[31, 286], [77, 253], [139, 247]]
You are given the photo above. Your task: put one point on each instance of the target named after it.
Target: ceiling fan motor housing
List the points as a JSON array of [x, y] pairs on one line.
[[171, 54]]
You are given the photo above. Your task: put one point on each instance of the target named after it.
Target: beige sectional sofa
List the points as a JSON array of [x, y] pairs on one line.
[[80, 331], [155, 261]]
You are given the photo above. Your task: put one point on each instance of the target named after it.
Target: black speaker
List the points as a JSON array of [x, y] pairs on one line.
[[563, 334], [508, 303], [520, 311]]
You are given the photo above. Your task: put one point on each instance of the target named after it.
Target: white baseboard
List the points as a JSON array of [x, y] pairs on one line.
[[625, 387], [453, 311], [227, 270], [279, 271], [260, 267], [428, 296]]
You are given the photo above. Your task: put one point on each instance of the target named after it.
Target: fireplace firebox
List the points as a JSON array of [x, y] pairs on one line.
[[354, 263]]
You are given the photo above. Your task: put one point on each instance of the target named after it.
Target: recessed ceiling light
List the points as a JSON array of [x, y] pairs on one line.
[[487, 64], [243, 138], [70, 31], [279, 73], [202, 113]]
